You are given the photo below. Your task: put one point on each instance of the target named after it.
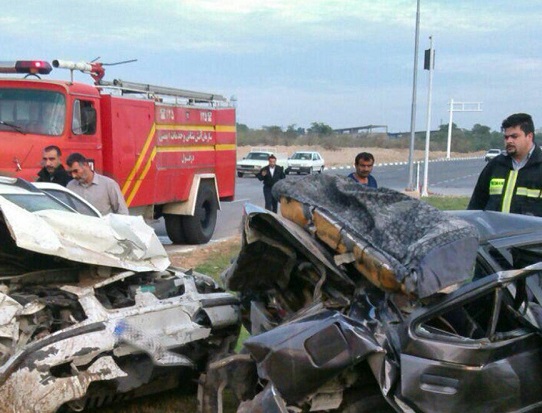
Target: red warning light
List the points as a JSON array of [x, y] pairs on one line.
[[26, 66]]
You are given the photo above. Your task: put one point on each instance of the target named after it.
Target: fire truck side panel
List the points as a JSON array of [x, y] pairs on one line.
[[226, 157], [193, 140], [158, 148], [128, 141]]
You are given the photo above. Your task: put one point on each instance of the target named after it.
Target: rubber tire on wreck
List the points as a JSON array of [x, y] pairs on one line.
[[199, 229], [174, 228]]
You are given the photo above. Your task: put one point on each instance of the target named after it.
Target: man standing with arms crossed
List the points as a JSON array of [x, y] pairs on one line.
[[102, 192], [270, 175], [512, 182]]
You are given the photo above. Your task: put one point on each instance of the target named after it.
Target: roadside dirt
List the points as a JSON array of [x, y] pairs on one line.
[[201, 254], [346, 156]]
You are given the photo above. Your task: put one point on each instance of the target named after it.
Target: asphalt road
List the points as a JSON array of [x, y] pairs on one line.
[[453, 177]]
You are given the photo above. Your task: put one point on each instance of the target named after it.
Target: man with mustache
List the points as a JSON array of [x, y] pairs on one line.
[[102, 192], [364, 163], [52, 170], [512, 182]]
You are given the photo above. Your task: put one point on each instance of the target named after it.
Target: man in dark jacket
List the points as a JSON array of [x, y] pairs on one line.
[[512, 182], [52, 170], [270, 175]]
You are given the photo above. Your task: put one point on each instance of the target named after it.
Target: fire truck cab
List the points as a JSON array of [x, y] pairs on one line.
[[172, 151]]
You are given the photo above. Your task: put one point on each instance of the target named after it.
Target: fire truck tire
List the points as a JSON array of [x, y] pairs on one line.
[[240, 174], [198, 229], [174, 228]]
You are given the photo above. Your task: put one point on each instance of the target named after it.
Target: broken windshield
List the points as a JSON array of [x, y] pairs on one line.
[[36, 202], [32, 111]]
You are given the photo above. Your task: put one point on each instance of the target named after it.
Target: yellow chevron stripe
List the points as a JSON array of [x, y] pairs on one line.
[[139, 161], [142, 177], [199, 148], [226, 147]]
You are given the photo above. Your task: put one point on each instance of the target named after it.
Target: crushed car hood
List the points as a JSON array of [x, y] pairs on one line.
[[329, 334], [118, 241], [399, 243]]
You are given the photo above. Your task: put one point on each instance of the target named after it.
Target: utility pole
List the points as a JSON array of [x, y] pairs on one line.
[[413, 110], [459, 107], [429, 65]]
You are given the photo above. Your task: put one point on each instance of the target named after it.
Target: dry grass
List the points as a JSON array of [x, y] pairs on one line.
[[345, 156], [209, 259]]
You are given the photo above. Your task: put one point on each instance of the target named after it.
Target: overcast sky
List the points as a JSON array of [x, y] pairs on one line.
[[342, 62]]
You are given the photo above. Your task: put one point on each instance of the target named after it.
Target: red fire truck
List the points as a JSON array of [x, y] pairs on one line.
[[172, 151]]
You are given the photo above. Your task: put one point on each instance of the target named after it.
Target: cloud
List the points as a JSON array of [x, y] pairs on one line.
[[236, 26], [336, 61]]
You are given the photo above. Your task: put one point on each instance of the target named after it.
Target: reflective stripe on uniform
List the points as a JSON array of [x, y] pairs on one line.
[[529, 193], [509, 190], [495, 186]]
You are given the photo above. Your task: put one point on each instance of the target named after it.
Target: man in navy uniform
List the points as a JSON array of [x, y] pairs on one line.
[[512, 182]]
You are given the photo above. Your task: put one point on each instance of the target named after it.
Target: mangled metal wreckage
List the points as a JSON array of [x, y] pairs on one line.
[[91, 312], [362, 300]]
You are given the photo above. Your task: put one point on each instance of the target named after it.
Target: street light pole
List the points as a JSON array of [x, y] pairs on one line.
[[413, 109], [449, 145], [428, 130]]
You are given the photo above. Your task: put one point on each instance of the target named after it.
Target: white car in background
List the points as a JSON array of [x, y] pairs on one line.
[[493, 153], [257, 158], [305, 162]]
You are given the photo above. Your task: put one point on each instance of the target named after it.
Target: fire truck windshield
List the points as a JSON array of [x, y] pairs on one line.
[[32, 111]]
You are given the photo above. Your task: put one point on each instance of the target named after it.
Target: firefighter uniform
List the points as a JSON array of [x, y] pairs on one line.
[[501, 188]]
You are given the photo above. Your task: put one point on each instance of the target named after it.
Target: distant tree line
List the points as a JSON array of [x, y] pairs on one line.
[[479, 138]]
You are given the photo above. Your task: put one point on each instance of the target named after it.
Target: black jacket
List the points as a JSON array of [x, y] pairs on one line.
[[492, 191], [59, 176], [269, 180]]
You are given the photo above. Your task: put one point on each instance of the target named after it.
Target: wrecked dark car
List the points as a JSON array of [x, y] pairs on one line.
[[92, 312], [363, 300]]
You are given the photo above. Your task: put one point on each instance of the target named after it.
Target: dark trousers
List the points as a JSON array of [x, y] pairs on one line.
[[270, 201]]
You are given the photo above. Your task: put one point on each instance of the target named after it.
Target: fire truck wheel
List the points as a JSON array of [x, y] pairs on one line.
[[198, 229], [174, 228], [240, 174]]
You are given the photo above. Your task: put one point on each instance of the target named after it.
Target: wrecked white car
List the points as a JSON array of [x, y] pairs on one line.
[[365, 300], [91, 310]]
